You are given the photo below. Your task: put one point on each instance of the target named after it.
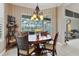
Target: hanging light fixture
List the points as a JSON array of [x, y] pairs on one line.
[[37, 15]]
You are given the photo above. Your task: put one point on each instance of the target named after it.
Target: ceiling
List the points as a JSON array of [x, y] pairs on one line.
[[41, 5]]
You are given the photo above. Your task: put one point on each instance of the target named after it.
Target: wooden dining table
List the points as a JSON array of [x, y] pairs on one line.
[[42, 39], [32, 38]]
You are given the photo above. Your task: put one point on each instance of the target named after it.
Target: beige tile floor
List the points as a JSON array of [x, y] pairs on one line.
[[64, 50]]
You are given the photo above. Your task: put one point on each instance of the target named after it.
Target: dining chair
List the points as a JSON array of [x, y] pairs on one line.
[[31, 33], [23, 46], [52, 47], [44, 33]]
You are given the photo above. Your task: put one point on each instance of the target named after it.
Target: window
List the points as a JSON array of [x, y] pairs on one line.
[[28, 25], [69, 13], [76, 15]]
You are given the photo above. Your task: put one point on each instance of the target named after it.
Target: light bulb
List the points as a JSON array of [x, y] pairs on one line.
[[36, 19], [41, 17], [34, 16]]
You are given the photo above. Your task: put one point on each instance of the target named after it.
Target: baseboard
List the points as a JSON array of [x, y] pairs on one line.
[[3, 52]]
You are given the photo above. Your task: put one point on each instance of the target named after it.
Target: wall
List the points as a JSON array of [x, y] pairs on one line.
[[18, 11], [61, 23], [2, 39], [73, 7]]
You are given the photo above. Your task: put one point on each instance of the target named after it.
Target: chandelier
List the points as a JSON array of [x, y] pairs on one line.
[[37, 15]]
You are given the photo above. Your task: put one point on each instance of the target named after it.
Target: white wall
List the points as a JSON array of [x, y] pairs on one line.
[[61, 23], [2, 40], [73, 7]]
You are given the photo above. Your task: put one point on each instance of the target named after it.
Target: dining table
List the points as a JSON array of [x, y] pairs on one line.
[[42, 39], [33, 38]]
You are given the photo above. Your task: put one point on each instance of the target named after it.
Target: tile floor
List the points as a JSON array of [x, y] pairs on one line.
[[64, 50]]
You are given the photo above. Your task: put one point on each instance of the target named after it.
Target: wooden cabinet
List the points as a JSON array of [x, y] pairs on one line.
[[11, 41]]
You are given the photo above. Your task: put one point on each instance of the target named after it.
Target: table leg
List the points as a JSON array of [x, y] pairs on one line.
[[38, 50]]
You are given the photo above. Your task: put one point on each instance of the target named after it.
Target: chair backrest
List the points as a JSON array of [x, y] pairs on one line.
[[22, 42], [55, 40], [31, 33], [44, 33]]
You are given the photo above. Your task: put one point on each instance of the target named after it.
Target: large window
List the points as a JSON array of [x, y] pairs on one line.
[[28, 25]]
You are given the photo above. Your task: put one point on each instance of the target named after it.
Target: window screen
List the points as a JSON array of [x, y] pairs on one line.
[[76, 15], [69, 13]]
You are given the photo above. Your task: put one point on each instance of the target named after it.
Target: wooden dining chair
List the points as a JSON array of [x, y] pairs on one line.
[[23, 46], [52, 47], [44, 33], [31, 33]]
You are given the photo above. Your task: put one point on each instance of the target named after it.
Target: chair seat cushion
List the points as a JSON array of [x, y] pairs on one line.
[[12, 41], [50, 42], [49, 46], [31, 49]]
